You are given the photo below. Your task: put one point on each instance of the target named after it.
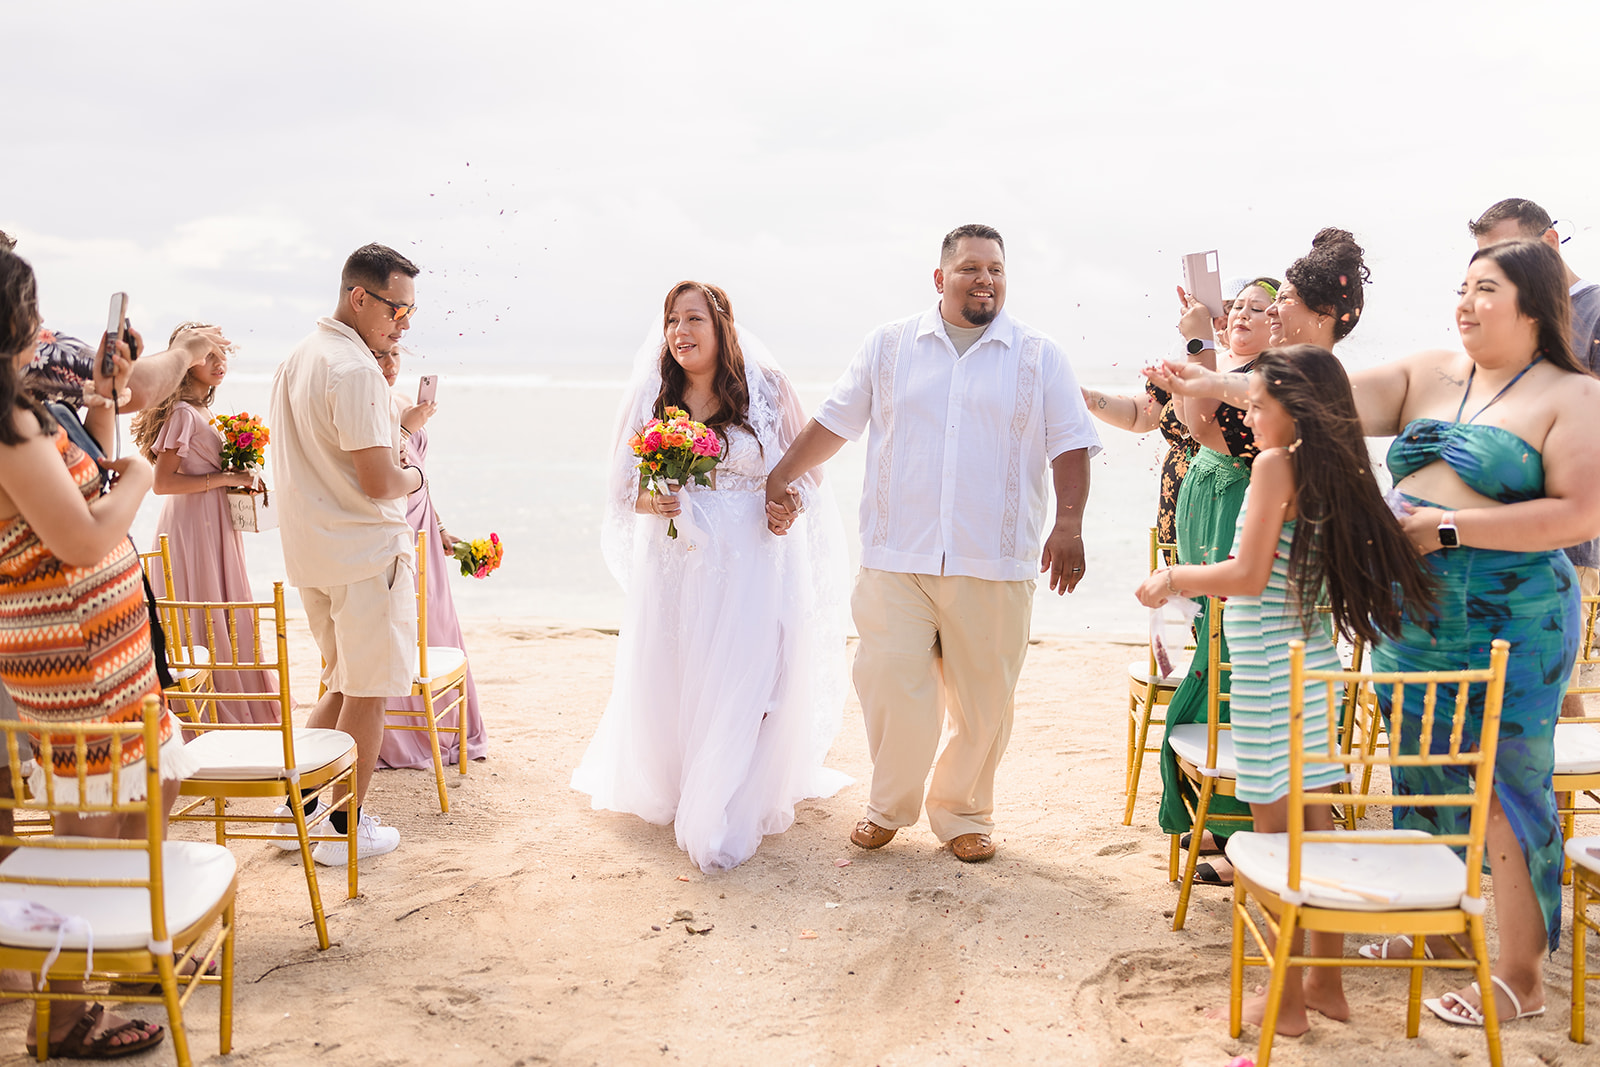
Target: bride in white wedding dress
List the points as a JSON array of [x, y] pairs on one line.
[[730, 676]]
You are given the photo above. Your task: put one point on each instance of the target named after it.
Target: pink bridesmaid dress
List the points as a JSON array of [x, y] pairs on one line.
[[403, 748], [208, 560]]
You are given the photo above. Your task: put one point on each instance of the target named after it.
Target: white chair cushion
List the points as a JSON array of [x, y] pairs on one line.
[[199, 655], [1577, 748], [1138, 671], [196, 875], [1189, 742], [1423, 876], [1585, 852], [243, 755], [442, 662]]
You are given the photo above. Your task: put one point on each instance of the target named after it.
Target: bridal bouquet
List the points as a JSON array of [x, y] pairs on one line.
[[675, 449], [479, 557], [244, 442]]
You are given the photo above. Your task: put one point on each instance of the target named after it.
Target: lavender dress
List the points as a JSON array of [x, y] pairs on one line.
[[208, 560], [405, 748]]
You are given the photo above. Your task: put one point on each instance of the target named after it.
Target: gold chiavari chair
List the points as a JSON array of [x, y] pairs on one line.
[[1385, 882], [134, 910], [1577, 742], [1149, 689], [267, 760]]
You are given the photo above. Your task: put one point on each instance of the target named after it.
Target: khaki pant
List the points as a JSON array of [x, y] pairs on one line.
[[932, 646]]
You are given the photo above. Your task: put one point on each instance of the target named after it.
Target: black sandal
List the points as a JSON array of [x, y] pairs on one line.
[[1205, 874], [78, 1046], [1215, 850]]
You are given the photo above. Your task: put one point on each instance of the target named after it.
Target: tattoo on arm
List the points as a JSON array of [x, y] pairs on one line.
[[1102, 403]]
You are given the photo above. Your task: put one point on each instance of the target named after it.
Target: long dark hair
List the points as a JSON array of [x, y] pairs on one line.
[[19, 329], [1542, 295], [728, 385], [1347, 548]]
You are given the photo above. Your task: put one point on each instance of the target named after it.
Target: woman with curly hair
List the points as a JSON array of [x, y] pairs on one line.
[[207, 552]]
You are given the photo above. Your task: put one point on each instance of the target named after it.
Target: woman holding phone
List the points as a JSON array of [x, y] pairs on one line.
[[407, 748], [72, 608]]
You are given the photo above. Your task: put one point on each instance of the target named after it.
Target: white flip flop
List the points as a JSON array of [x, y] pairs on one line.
[[1379, 950], [1445, 1007]]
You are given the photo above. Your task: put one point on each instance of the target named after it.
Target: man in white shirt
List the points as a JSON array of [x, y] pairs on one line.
[[971, 414], [346, 544]]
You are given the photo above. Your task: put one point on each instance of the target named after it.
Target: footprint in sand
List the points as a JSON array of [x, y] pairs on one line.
[[1118, 849]]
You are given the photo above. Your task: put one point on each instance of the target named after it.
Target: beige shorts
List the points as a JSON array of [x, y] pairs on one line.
[[367, 631], [1587, 674]]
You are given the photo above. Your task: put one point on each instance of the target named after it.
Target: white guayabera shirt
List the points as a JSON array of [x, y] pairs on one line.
[[958, 457]]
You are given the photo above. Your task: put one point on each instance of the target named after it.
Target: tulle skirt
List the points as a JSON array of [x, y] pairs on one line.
[[729, 682]]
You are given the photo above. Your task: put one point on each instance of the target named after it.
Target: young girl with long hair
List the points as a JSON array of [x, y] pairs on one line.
[[1314, 528], [207, 552]]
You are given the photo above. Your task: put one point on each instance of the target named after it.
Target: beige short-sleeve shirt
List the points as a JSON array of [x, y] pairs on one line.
[[329, 399]]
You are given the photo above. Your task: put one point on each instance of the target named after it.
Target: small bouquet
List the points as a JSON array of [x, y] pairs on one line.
[[244, 442], [675, 449], [480, 557]]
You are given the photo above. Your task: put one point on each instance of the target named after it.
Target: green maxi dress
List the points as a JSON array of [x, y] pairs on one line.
[[1208, 508]]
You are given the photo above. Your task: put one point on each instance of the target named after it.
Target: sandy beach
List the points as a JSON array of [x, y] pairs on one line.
[[524, 928]]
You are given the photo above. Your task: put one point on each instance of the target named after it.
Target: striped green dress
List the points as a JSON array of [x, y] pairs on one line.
[[1259, 631]]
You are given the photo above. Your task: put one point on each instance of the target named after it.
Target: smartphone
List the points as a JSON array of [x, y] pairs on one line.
[[116, 320], [427, 388], [1202, 277]]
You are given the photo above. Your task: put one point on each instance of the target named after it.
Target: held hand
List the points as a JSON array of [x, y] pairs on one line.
[[1152, 592], [131, 469], [1063, 558], [200, 341], [239, 480], [663, 504], [449, 540], [1195, 319], [1421, 526], [416, 417], [781, 516], [121, 367], [1182, 379]]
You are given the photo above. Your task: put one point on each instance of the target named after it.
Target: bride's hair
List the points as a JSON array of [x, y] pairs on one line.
[[728, 386]]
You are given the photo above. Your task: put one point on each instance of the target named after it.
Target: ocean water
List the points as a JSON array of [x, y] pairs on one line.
[[525, 455]]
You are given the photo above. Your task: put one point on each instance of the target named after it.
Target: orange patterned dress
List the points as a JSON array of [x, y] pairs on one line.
[[75, 647]]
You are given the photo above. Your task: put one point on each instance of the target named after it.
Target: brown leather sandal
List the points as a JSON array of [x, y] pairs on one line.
[[869, 834], [77, 1045], [972, 848]]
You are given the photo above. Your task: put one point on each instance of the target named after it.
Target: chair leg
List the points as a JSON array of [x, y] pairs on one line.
[[433, 743], [169, 996], [461, 728], [1580, 907], [1236, 978], [1491, 1014], [1419, 951], [1172, 858], [41, 1023], [218, 810], [297, 809], [1195, 833], [353, 868], [1130, 772], [1288, 933], [225, 1008]]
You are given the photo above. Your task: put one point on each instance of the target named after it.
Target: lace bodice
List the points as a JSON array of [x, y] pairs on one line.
[[744, 467]]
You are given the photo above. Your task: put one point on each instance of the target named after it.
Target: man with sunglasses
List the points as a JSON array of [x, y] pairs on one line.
[[342, 490]]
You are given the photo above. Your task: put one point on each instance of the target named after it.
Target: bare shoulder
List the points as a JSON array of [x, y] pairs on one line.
[[1577, 398]]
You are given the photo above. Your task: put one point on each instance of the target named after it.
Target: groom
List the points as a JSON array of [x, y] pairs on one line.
[[968, 413]]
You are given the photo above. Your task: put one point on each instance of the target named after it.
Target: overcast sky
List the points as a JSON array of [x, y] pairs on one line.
[[555, 168]]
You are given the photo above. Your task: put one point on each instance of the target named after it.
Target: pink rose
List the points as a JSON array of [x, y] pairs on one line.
[[652, 441], [494, 539], [707, 445], [245, 440], [481, 572]]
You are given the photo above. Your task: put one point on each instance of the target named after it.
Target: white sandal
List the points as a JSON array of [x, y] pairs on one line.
[[1453, 1008], [1379, 950]]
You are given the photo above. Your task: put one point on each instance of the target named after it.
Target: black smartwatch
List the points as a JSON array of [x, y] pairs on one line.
[[1197, 346], [1449, 536]]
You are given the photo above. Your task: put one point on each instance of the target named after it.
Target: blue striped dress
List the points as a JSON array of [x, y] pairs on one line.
[[1259, 631]]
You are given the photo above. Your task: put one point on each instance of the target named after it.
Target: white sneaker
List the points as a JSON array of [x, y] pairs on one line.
[[290, 841], [372, 839]]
